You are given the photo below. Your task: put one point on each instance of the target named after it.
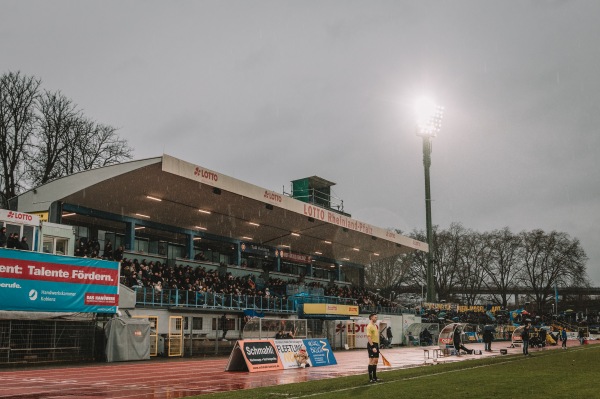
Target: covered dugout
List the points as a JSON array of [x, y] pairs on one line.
[[414, 334], [468, 334]]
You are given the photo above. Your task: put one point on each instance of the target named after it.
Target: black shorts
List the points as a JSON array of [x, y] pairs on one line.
[[373, 354]]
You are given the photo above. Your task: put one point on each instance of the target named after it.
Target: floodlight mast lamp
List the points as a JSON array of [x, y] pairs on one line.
[[428, 125]]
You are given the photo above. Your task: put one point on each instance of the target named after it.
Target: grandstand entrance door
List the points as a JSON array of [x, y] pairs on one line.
[[175, 336], [153, 333], [351, 337]]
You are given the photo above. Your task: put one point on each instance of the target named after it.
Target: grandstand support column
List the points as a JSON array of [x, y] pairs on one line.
[[55, 215], [129, 235], [190, 246]]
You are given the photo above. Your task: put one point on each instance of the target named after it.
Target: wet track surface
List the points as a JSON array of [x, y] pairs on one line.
[[178, 378]]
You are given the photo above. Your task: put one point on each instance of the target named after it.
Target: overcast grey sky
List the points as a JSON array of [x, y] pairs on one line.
[[271, 91]]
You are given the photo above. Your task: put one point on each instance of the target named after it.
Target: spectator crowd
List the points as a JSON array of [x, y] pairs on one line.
[[12, 241], [208, 283]]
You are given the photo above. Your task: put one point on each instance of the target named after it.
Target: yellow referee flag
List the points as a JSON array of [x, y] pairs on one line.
[[385, 361]]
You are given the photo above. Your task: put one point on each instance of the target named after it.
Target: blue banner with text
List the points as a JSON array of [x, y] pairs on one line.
[[319, 352], [32, 281]]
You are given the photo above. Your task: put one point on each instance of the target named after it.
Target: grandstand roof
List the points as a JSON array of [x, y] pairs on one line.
[[174, 192]]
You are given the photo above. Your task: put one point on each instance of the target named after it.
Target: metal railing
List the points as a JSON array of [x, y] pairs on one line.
[[385, 310], [149, 297]]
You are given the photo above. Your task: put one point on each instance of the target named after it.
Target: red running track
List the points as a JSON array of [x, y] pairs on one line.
[[169, 379], [153, 379]]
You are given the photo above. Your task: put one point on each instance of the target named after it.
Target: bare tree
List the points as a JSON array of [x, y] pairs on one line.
[[91, 145], [475, 255], [18, 95], [448, 246], [57, 116], [504, 266], [43, 136], [550, 259], [102, 147], [466, 261], [447, 252], [388, 274]]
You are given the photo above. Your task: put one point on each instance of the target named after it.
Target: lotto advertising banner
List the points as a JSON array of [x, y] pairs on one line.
[[31, 281], [319, 352], [19, 218], [326, 308]]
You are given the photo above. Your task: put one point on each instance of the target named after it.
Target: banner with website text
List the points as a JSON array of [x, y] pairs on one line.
[[31, 281]]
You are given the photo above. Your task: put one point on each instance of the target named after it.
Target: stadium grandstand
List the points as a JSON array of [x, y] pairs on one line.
[[194, 244]]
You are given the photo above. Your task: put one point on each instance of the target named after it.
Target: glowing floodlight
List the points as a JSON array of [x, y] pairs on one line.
[[429, 117]]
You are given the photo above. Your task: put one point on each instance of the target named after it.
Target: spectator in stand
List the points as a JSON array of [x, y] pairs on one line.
[[94, 246], [24, 246], [108, 250], [3, 237], [13, 241], [119, 254]]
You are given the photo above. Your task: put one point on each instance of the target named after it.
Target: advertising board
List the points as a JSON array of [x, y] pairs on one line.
[[292, 353], [253, 356], [330, 308], [319, 352], [267, 355], [31, 281]]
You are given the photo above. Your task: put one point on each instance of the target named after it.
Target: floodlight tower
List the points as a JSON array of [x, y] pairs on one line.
[[429, 123]]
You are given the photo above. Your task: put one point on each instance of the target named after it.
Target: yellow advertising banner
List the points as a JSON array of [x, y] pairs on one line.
[[43, 216], [327, 308]]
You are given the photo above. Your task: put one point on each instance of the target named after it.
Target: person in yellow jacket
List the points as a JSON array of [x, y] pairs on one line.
[[373, 347]]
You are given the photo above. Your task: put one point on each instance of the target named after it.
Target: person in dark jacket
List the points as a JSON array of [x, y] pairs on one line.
[[488, 337], [24, 246], [13, 241], [3, 237], [224, 326], [525, 335], [458, 342], [108, 250]]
